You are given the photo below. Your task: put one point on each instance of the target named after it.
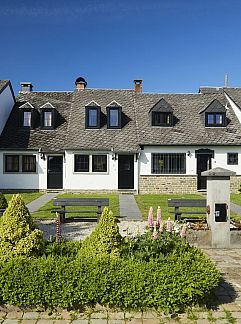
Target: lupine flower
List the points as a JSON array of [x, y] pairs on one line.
[[169, 225], [161, 229], [155, 233], [158, 217], [183, 232], [150, 218]]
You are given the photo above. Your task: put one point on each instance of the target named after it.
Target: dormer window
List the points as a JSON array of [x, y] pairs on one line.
[[92, 115], [114, 115], [161, 114], [26, 115], [48, 116], [27, 119], [215, 114]]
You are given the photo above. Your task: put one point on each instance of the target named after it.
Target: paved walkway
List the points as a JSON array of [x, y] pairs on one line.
[[128, 207], [235, 208], [41, 201]]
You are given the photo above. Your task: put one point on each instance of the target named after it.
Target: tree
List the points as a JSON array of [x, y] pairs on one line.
[[18, 234]]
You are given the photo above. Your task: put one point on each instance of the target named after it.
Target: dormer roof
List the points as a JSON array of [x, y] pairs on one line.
[[214, 107], [26, 105], [162, 106], [47, 105]]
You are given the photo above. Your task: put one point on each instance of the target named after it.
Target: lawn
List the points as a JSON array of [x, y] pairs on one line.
[[146, 201], [45, 211], [27, 196]]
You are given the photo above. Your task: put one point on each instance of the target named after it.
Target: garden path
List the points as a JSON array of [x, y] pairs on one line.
[[235, 208], [128, 207], [41, 201]]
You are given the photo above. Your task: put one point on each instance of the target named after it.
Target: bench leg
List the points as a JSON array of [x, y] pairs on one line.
[[177, 214], [99, 212], [58, 228]]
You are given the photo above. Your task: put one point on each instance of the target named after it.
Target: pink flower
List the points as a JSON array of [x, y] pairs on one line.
[[150, 218], [183, 232], [155, 235], [158, 217], [169, 225]]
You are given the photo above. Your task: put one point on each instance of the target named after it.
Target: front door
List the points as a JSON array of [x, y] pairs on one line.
[[204, 162], [125, 171], [55, 172]]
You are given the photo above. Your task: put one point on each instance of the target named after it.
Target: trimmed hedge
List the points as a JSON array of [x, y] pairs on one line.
[[170, 284]]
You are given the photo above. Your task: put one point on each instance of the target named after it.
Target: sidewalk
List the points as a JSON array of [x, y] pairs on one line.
[[36, 204]]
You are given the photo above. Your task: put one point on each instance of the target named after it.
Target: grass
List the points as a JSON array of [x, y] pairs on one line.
[[146, 201], [45, 211], [27, 196]]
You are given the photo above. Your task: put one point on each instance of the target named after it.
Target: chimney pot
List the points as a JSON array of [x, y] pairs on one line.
[[138, 86], [80, 83], [26, 86]]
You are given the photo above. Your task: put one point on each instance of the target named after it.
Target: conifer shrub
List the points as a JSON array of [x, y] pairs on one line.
[[3, 201], [18, 234], [105, 239]]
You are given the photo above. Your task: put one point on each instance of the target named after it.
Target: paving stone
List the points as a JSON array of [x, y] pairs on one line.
[[133, 315], [99, 321], [202, 315], [151, 321], [31, 315], [65, 314], [80, 321], [231, 307], [45, 321], [236, 314], [28, 321], [133, 321], [10, 321], [47, 315], [116, 321], [116, 315], [150, 314], [2, 314], [202, 321], [62, 321], [14, 315], [102, 315]]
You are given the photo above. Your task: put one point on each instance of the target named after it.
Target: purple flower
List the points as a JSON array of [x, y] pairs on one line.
[[169, 225], [150, 218], [158, 217], [155, 235], [183, 232]]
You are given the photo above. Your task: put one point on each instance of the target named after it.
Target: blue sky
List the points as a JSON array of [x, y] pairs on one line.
[[173, 45]]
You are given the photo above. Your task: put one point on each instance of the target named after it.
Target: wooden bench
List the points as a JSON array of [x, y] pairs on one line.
[[76, 202], [187, 203]]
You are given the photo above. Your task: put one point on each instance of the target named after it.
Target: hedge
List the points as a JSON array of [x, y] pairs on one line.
[[170, 284]]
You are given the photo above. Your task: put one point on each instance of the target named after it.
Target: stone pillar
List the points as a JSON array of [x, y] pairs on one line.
[[218, 206]]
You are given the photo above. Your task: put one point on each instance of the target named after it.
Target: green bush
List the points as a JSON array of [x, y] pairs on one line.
[[63, 248], [3, 201], [170, 285], [105, 239], [18, 235]]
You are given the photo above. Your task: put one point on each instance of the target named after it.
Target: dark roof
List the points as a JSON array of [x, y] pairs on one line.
[[3, 84], [70, 133], [234, 94]]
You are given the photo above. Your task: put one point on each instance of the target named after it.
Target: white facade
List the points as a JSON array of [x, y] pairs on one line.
[[6, 105], [219, 160]]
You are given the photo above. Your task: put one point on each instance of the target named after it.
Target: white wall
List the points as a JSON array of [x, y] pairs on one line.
[[219, 160], [19, 180], [6, 105]]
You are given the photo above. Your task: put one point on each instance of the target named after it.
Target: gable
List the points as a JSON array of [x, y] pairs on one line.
[[162, 106], [214, 107]]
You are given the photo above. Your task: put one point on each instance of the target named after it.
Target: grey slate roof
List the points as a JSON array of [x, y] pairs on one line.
[[3, 84], [70, 133], [235, 95]]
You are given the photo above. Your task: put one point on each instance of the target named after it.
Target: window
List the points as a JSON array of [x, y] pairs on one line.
[[232, 158], [81, 163], [20, 163], [161, 118], [27, 117], [90, 163], [28, 163], [99, 163], [92, 115], [113, 117], [48, 119], [215, 119], [11, 163], [168, 163]]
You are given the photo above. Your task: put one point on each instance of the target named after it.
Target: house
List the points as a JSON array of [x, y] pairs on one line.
[[110, 140]]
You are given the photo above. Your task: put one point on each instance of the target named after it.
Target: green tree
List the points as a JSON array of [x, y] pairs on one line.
[[3, 201], [105, 239], [18, 234]]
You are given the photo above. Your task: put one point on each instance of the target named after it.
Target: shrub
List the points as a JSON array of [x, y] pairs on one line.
[[169, 285], [18, 235], [63, 248], [3, 201], [105, 239]]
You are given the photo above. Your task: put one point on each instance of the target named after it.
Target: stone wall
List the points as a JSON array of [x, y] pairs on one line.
[[168, 184]]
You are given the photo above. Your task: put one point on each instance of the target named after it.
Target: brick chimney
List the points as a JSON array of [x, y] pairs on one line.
[[26, 86], [80, 83], [138, 86]]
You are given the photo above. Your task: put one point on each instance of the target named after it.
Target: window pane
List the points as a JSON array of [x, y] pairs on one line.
[[161, 119], [27, 118], [210, 119], [92, 117], [232, 158], [169, 163], [99, 163], [11, 163], [114, 117], [48, 118], [29, 163], [81, 163], [219, 119]]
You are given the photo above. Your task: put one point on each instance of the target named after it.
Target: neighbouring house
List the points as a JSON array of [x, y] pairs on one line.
[[117, 140]]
